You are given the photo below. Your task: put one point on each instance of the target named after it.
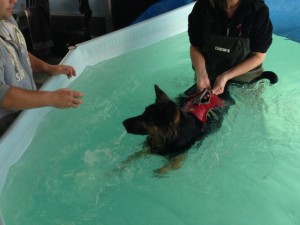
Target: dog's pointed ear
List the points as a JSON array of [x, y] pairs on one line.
[[160, 95]]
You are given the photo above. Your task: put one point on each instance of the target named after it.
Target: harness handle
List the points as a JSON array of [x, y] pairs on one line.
[[199, 99]]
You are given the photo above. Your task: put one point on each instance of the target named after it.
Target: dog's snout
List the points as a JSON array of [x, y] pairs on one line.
[[134, 126], [126, 124]]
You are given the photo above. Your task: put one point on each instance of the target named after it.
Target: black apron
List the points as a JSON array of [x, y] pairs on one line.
[[222, 53]]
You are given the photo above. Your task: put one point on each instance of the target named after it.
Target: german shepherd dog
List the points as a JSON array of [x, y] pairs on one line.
[[174, 126]]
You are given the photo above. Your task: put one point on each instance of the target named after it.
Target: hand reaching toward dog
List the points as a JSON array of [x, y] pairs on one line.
[[66, 98], [19, 99]]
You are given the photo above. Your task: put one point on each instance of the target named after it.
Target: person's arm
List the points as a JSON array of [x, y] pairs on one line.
[[40, 66], [19, 99], [196, 20], [198, 62], [250, 63]]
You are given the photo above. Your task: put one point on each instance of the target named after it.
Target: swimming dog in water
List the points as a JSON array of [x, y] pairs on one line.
[[173, 127]]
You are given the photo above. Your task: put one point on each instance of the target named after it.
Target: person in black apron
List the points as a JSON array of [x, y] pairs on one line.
[[229, 40]]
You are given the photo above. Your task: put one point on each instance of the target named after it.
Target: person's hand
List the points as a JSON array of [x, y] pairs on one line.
[[62, 69], [66, 98], [203, 82], [219, 84]]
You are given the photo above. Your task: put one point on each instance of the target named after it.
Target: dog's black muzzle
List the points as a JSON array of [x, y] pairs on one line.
[[135, 125]]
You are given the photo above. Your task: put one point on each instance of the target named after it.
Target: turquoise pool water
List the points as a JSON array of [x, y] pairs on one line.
[[246, 173]]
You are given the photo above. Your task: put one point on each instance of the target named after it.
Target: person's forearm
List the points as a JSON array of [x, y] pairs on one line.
[[38, 65], [201, 76], [250, 63], [19, 99], [197, 59]]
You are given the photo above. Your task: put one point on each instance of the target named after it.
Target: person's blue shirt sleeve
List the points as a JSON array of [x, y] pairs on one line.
[[3, 87]]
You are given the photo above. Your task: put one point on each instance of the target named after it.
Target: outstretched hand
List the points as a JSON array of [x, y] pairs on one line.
[[66, 98]]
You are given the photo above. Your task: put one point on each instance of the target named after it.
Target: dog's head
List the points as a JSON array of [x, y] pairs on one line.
[[159, 120]]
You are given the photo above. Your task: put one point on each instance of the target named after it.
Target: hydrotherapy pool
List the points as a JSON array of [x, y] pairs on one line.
[[248, 177]]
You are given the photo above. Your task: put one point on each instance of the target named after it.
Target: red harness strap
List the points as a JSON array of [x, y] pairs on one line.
[[199, 106]]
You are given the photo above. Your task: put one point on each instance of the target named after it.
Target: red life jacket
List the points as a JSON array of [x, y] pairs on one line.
[[199, 106]]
